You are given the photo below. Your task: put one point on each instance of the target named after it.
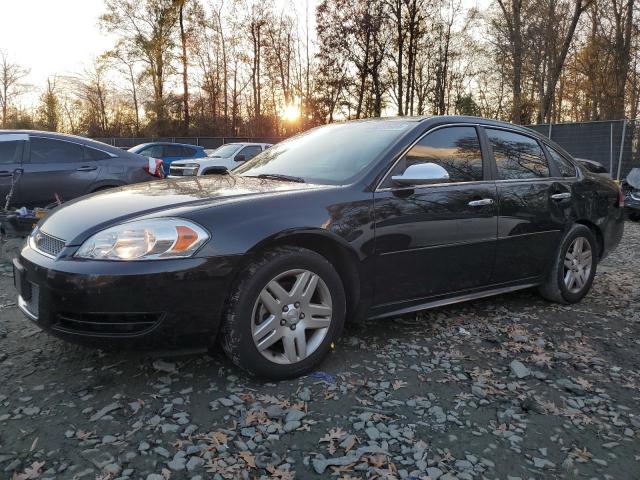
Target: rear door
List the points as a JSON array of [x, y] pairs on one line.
[[173, 153], [535, 205], [436, 239], [56, 168]]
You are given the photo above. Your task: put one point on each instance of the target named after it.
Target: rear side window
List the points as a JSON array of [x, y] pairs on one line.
[[594, 168], [456, 149], [564, 166], [94, 154], [10, 151], [47, 150], [517, 156], [173, 151], [188, 151]]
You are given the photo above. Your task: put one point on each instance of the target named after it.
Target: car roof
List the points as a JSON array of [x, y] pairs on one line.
[[438, 119], [244, 144], [69, 138], [168, 143]]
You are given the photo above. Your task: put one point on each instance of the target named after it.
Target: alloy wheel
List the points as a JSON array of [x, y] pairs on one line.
[[291, 316], [577, 264]]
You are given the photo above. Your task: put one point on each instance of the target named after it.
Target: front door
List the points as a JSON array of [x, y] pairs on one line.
[[534, 206], [433, 240]]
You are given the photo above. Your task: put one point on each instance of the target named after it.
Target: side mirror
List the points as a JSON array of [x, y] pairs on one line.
[[422, 174], [240, 158]]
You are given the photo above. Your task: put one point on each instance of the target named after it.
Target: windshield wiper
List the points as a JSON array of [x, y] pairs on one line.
[[278, 176]]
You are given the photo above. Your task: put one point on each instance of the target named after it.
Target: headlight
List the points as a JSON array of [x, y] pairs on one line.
[[145, 240]]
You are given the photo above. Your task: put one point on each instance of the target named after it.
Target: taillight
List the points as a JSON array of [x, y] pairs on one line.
[[155, 167]]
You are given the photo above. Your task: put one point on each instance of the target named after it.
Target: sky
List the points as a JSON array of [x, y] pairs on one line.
[[62, 35], [51, 36]]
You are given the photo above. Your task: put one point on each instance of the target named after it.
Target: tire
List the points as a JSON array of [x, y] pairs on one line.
[[556, 287], [308, 327], [634, 216]]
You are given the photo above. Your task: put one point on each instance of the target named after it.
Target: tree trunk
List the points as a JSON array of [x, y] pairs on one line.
[[185, 74]]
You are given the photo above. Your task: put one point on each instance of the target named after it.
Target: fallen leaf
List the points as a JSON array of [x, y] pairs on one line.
[[248, 458]]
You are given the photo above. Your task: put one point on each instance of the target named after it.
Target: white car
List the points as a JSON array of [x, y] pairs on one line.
[[225, 158]]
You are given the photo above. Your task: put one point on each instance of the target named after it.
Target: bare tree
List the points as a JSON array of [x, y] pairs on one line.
[[146, 28], [11, 86]]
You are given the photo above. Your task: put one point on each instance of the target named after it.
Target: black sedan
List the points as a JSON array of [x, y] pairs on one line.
[[361, 219]]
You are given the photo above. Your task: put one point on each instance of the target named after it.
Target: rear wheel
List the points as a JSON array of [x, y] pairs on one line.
[[574, 267], [287, 309]]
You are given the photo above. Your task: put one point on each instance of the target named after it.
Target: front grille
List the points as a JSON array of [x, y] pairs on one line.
[[176, 171], [48, 244], [106, 324]]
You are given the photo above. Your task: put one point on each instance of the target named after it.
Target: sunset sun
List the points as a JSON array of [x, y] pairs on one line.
[[291, 113]]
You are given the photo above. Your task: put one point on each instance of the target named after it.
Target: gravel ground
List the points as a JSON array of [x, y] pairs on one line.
[[509, 387]]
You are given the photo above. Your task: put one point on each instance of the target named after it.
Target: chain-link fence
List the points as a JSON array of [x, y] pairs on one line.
[[613, 143], [206, 142]]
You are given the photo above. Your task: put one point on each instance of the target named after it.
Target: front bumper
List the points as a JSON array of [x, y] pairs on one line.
[[178, 171], [89, 301]]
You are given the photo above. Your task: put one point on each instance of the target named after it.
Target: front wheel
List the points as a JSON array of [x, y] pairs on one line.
[[574, 267], [284, 313], [634, 216]]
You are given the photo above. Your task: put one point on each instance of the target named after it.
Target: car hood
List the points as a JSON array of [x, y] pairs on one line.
[[98, 211]]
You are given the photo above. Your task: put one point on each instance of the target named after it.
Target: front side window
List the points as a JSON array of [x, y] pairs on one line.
[[250, 152], [564, 166], [10, 151], [154, 151], [48, 150], [517, 156], [456, 149]]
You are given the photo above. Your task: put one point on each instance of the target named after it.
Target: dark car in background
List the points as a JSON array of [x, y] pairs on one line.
[[359, 219], [169, 152], [594, 167], [631, 188], [47, 167]]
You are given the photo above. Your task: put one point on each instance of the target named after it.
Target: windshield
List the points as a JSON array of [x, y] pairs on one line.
[[226, 151], [332, 154]]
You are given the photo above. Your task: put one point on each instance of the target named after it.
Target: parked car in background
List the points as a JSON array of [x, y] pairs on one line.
[[594, 167], [49, 166], [371, 219], [227, 157], [169, 152], [631, 188]]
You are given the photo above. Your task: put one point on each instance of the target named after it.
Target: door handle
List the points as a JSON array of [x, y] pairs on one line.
[[86, 168], [481, 203], [561, 196]]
